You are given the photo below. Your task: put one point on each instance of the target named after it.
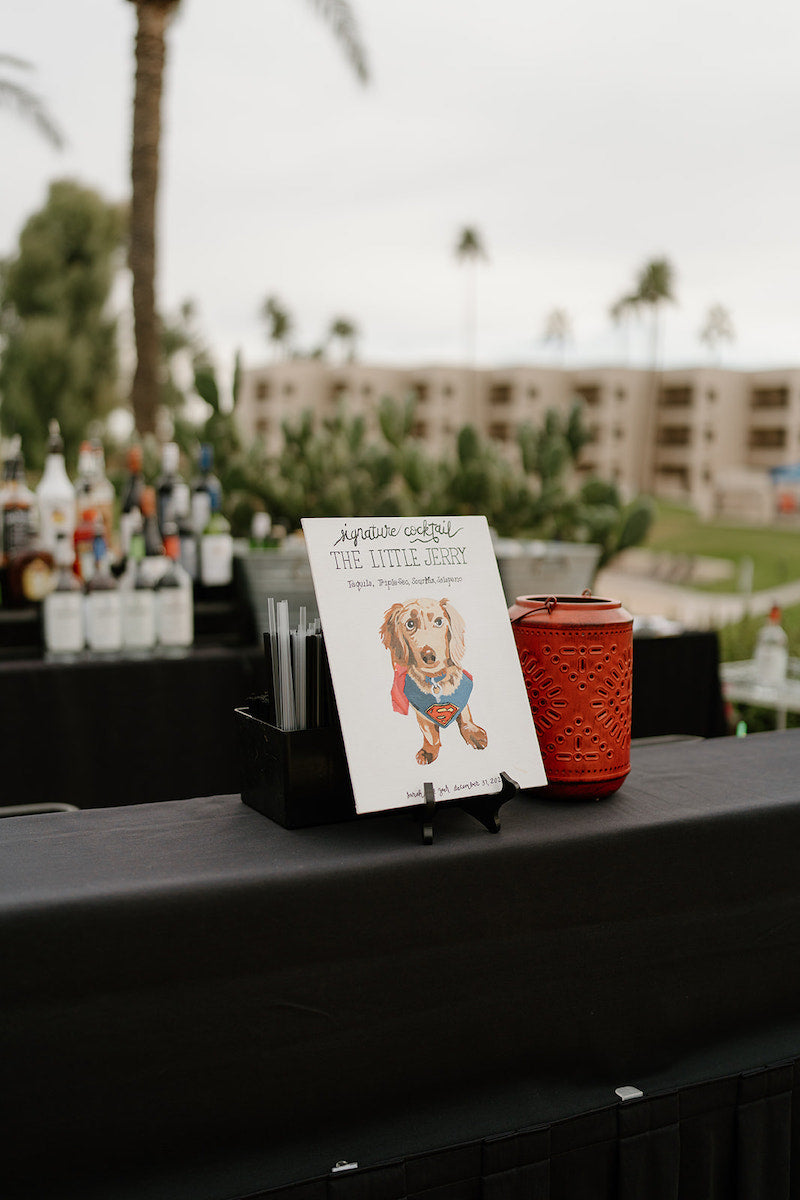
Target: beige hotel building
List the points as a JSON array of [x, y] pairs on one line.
[[706, 436]]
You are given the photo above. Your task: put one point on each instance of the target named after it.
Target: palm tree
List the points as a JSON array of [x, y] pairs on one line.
[[152, 20], [718, 328], [279, 323], [558, 331], [470, 251], [655, 286], [345, 332], [29, 106]]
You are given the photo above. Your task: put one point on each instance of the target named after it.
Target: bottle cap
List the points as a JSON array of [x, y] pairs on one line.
[[135, 459], [55, 442], [775, 613]]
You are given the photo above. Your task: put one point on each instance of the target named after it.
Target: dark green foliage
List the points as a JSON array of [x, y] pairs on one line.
[[337, 467], [58, 343]]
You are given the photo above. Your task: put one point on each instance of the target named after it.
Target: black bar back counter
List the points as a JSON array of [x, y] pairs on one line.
[[96, 733], [200, 1005]]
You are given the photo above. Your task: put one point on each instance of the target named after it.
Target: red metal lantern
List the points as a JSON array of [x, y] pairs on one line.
[[577, 657]]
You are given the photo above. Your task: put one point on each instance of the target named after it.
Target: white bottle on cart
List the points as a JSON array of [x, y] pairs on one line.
[[772, 651]]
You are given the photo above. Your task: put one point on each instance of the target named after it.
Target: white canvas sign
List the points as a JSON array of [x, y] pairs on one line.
[[425, 669]]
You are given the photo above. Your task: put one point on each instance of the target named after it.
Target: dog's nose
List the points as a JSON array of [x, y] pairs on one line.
[[428, 655]]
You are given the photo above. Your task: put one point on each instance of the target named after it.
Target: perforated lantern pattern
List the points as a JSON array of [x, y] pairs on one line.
[[576, 655]]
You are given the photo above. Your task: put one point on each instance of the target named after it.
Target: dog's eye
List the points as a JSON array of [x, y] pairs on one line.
[[438, 621], [411, 625]]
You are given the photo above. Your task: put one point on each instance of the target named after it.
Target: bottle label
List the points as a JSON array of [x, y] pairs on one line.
[[138, 618], [201, 511], [55, 517], [37, 578], [63, 622], [16, 531], [103, 621], [216, 559], [771, 664], [175, 616]]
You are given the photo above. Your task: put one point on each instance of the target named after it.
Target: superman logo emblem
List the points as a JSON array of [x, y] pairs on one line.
[[442, 713]]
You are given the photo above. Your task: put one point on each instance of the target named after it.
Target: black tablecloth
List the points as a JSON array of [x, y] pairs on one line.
[[198, 1003], [114, 732], [676, 686]]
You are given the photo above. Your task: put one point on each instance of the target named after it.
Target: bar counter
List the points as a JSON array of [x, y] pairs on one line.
[[200, 1004]]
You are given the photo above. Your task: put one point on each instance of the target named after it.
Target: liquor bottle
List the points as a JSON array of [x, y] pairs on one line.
[[55, 495], [131, 498], [62, 610], [216, 549], [171, 490], [103, 495], [174, 600], [154, 562], [102, 604], [138, 601], [93, 489], [27, 568], [204, 486], [772, 651], [16, 505], [83, 544]]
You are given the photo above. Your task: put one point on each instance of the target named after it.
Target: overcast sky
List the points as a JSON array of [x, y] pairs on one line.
[[580, 138]]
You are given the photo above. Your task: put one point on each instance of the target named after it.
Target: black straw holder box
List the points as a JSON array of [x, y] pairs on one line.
[[295, 777]]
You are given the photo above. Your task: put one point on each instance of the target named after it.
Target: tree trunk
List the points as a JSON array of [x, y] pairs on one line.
[[152, 19]]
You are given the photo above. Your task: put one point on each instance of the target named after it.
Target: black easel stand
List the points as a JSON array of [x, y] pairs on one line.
[[485, 809]]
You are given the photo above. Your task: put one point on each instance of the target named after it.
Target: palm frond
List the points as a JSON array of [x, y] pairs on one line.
[[340, 17], [29, 106]]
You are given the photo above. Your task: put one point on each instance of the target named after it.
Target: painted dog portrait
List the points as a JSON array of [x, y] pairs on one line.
[[426, 641]]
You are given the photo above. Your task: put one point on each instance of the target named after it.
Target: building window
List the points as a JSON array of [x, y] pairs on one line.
[[420, 391], [288, 389], [679, 475], [262, 427], [709, 434], [711, 395], [419, 429], [588, 393], [533, 393], [621, 394], [619, 432], [674, 435], [675, 397], [500, 393], [767, 439], [500, 431], [262, 390], [338, 391], [447, 390], [777, 397]]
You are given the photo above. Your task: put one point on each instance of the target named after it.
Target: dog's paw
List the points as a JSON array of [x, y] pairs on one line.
[[426, 755], [475, 736]]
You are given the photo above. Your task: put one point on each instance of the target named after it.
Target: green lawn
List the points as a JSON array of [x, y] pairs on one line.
[[775, 551]]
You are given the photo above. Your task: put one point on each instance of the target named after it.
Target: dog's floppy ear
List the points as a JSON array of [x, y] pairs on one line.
[[392, 638], [456, 621]]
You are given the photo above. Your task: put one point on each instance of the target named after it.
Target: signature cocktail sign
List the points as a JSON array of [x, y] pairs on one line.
[[425, 670]]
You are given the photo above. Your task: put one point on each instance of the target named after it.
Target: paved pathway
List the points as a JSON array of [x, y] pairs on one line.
[[645, 597]]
